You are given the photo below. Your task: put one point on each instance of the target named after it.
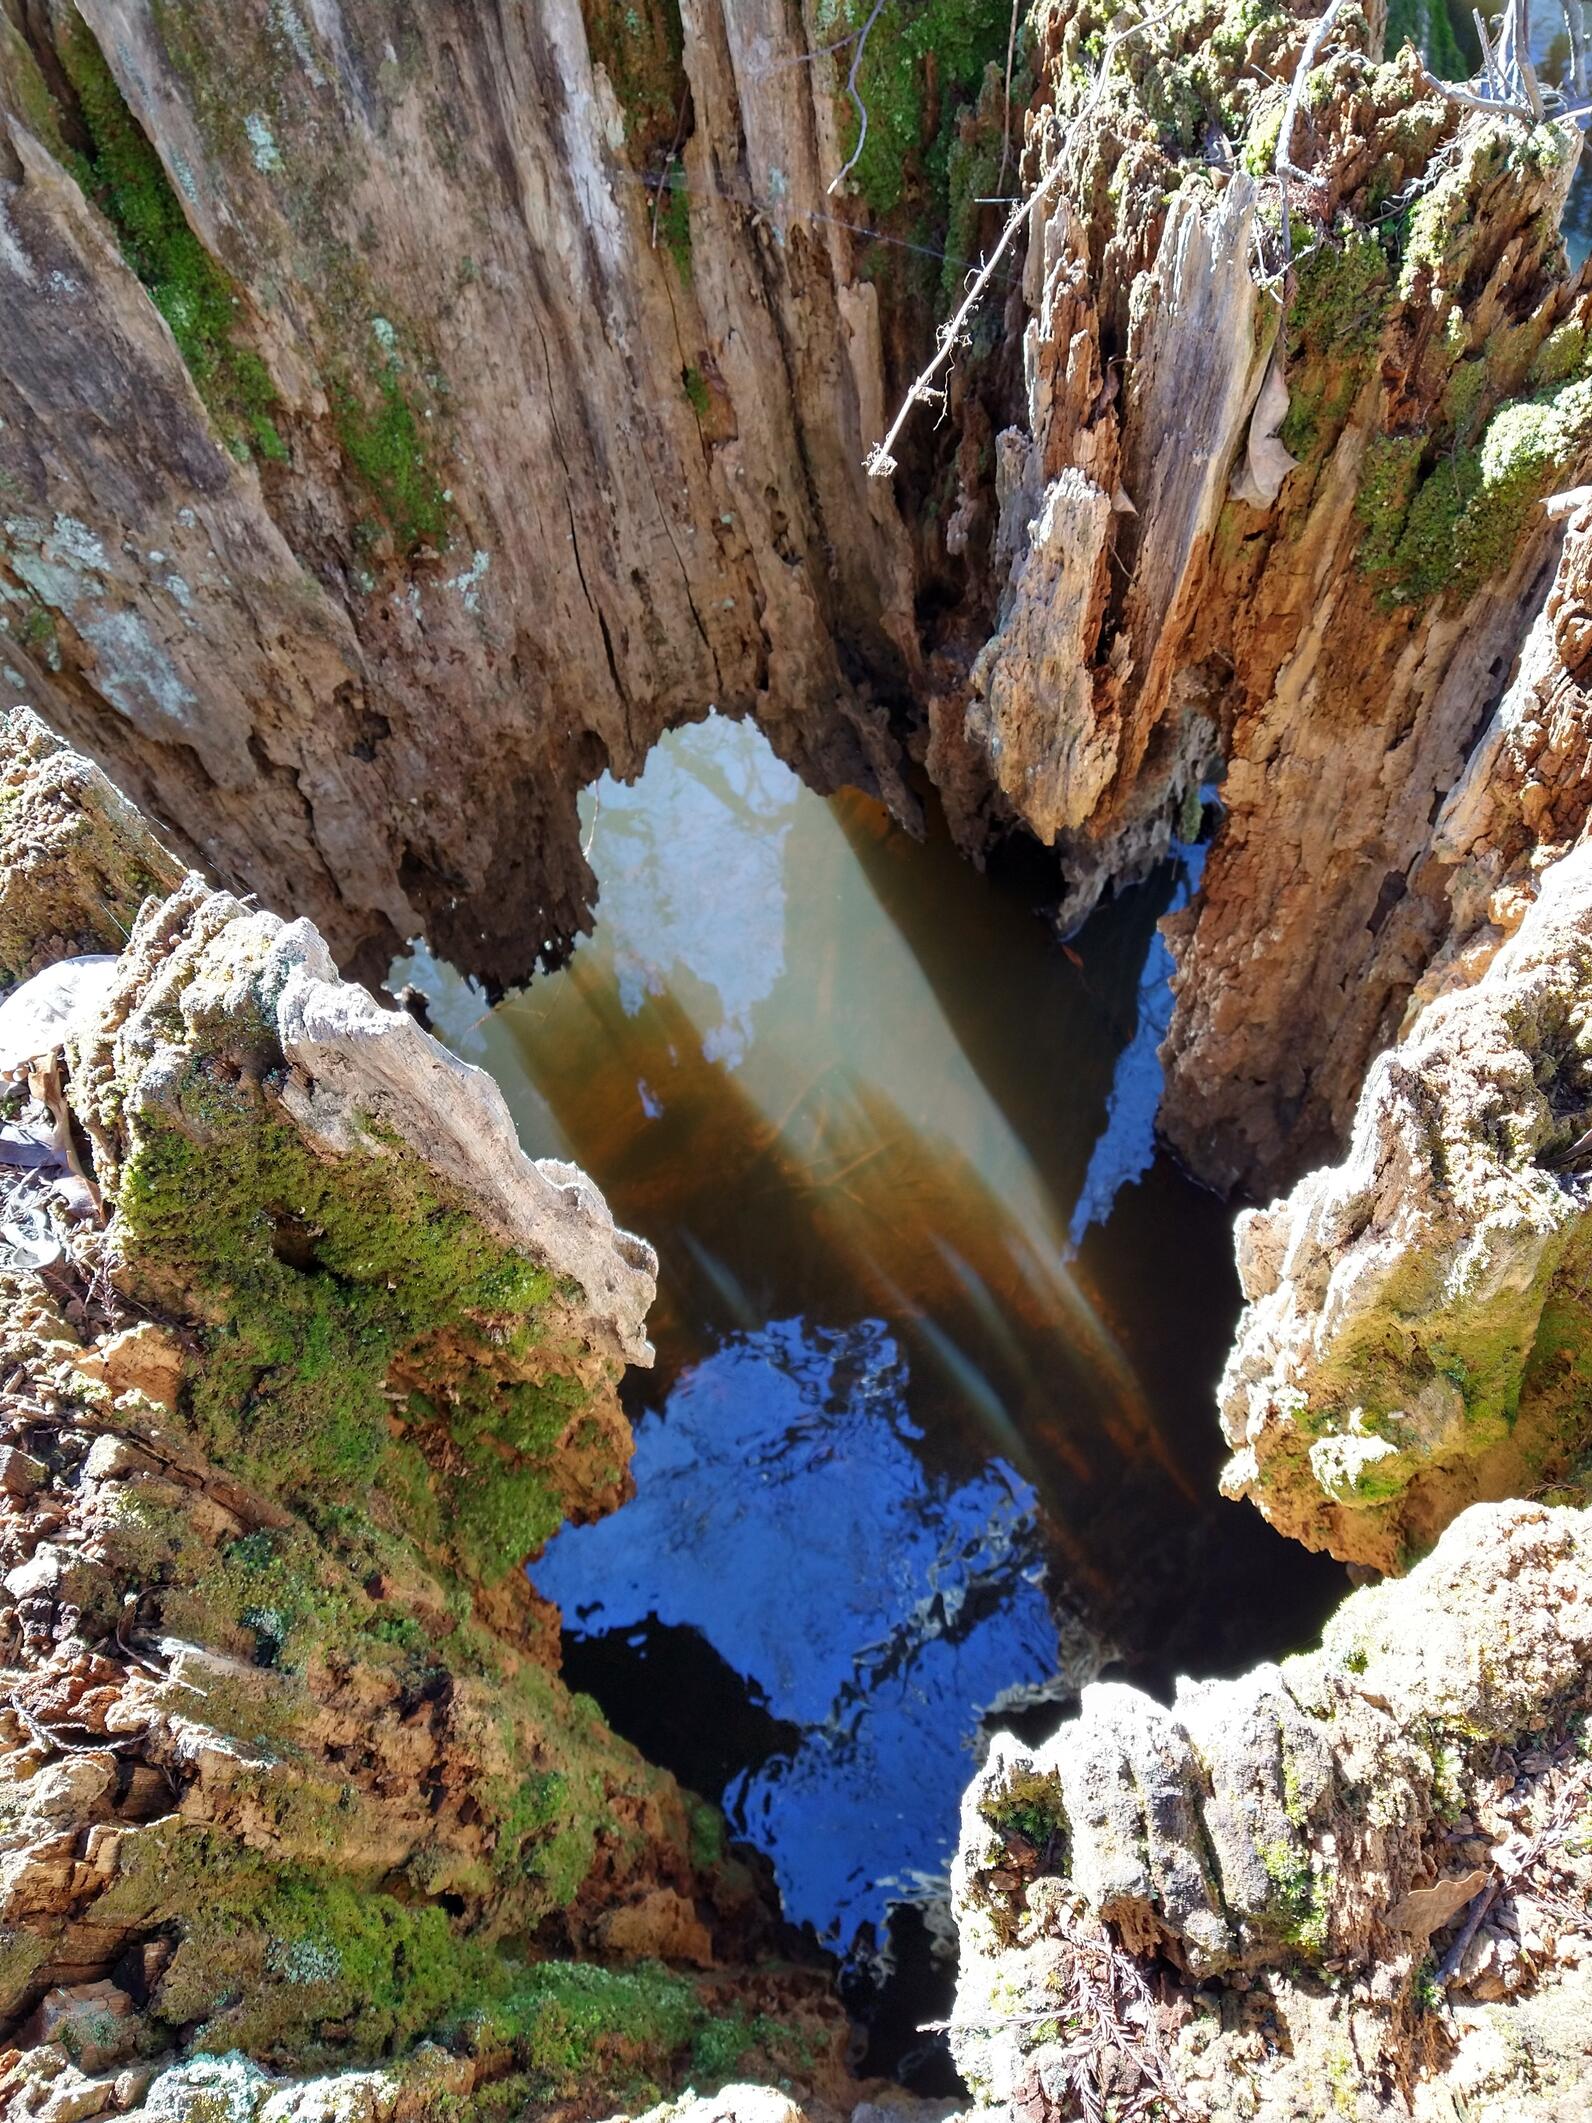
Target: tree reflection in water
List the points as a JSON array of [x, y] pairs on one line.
[[932, 1423]]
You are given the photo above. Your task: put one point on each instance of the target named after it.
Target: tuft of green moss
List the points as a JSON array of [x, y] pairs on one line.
[[1388, 481], [919, 61], [1297, 1907], [640, 44], [381, 440], [300, 1966], [124, 177], [320, 1273], [675, 223], [1462, 525]]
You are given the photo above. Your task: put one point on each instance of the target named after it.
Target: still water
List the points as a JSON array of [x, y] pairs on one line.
[[930, 1440]]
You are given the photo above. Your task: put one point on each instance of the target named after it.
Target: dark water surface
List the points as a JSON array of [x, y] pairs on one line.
[[931, 1436]]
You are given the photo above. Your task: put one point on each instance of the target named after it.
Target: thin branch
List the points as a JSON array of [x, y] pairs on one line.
[[854, 157], [1006, 122], [1514, 58], [880, 461], [1284, 166], [1496, 106], [668, 167], [1575, 22]]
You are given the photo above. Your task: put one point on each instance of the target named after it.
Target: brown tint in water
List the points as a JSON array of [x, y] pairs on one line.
[[864, 1105]]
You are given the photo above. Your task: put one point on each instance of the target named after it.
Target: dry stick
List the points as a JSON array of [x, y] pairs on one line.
[[1456, 1953], [668, 167], [1284, 166], [1514, 50], [1489, 66], [1575, 23], [879, 462], [1006, 132], [853, 158]]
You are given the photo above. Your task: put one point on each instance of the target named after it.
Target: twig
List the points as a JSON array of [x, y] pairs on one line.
[[1508, 86], [854, 157], [880, 461], [1456, 1953], [1284, 166], [1006, 122], [668, 167]]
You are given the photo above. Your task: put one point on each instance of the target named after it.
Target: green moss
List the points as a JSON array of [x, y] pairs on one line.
[[300, 1965], [675, 223], [1387, 483], [707, 1834], [694, 384], [640, 44], [20, 1955], [1030, 1804], [381, 440], [1561, 356], [938, 46], [1443, 227], [1340, 297], [30, 93], [1332, 328], [318, 1272], [972, 172], [1465, 522], [124, 177], [720, 2050], [1297, 1908]]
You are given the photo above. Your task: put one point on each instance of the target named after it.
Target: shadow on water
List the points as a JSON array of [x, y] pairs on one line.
[[930, 1441]]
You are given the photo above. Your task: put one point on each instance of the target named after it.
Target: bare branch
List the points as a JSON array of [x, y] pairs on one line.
[[1575, 22], [668, 167], [880, 462], [1470, 101], [1284, 166], [1006, 122], [855, 156]]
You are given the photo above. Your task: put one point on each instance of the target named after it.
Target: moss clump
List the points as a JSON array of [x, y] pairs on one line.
[[1446, 223], [30, 93], [124, 177], [1028, 1803], [318, 1271], [675, 223], [640, 44], [1340, 298], [920, 61], [300, 1966], [1561, 357], [1387, 483], [1298, 1910], [381, 439], [1332, 328], [1464, 522], [694, 385], [507, 1437]]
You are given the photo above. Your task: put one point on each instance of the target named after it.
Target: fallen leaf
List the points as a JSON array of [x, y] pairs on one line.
[[40, 1016], [1427, 1909]]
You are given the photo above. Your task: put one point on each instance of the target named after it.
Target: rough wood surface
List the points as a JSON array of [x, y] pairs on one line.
[[625, 489]]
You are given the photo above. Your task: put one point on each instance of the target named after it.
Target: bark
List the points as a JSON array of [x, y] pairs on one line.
[[1304, 1848], [519, 488], [524, 413], [1320, 619], [288, 1770]]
